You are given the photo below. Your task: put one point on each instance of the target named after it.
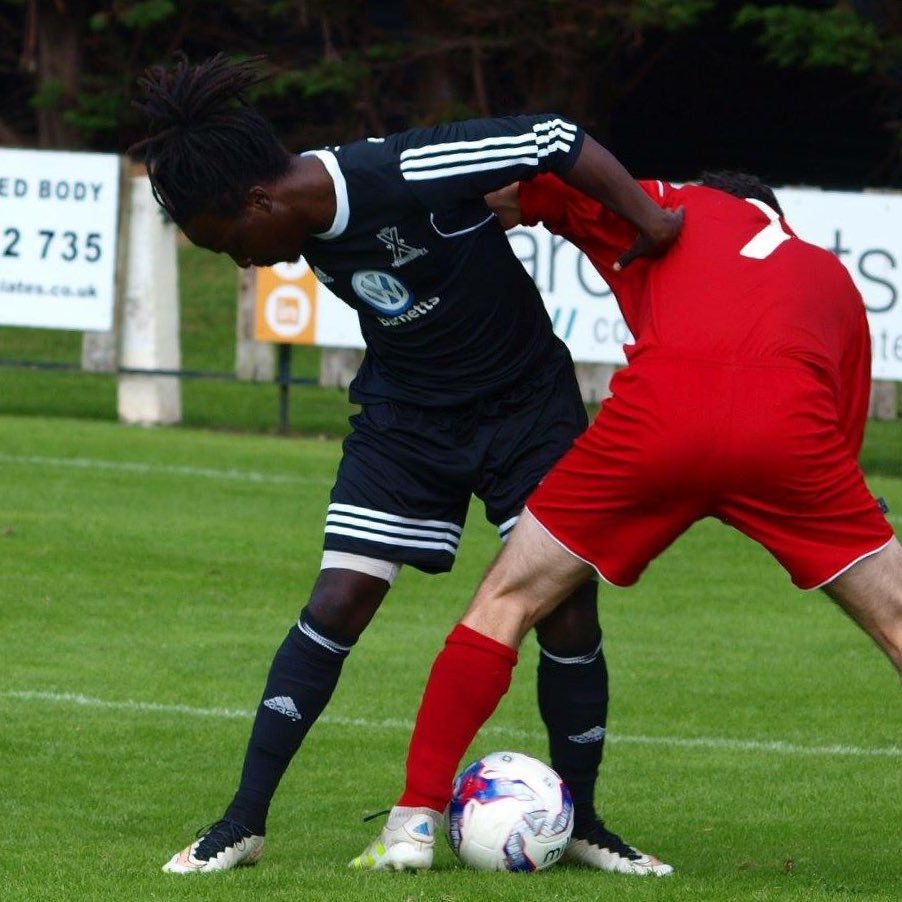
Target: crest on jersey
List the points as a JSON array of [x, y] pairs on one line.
[[382, 291], [401, 251]]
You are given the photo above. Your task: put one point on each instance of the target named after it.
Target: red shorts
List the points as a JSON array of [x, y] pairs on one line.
[[758, 446]]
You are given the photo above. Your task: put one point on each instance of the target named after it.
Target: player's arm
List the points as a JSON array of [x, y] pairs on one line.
[[467, 160], [598, 174]]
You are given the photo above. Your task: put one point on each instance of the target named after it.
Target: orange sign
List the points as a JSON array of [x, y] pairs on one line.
[[285, 310]]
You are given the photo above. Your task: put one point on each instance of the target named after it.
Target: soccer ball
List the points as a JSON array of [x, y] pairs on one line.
[[509, 812]]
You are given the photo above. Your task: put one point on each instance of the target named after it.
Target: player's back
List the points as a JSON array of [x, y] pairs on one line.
[[738, 285]]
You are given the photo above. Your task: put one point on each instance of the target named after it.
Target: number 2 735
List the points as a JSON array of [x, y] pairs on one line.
[[50, 244]]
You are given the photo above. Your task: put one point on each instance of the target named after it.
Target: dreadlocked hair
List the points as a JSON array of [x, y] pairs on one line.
[[206, 145], [741, 184]]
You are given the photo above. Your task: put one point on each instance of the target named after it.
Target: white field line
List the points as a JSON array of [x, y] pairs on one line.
[[700, 742], [144, 469]]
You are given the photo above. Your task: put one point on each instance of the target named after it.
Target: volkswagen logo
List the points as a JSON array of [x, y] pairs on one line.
[[382, 291]]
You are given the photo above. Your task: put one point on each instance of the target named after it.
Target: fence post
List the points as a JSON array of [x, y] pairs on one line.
[[338, 366], [150, 314], [99, 350], [884, 403], [254, 360], [284, 379], [593, 379]]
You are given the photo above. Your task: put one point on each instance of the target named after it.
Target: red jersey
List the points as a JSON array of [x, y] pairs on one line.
[[737, 286]]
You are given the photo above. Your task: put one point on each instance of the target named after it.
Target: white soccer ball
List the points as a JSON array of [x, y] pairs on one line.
[[509, 812]]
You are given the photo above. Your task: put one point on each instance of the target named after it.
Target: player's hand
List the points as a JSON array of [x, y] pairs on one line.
[[656, 241]]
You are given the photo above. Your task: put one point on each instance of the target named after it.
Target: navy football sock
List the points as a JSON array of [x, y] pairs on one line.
[[573, 702], [301, 680]]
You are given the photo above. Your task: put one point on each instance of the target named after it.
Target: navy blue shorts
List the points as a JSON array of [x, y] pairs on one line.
[[408, 473]]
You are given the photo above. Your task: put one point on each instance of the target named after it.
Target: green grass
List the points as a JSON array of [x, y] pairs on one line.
[[148, 576]]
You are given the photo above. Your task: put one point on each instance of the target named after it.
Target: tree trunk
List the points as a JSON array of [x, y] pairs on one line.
[[53, 51]]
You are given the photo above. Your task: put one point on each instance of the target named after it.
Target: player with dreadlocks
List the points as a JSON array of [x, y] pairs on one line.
[[463, 390]]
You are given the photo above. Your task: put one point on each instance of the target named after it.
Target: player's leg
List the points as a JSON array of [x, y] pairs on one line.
[[386, 509], [572, 677], [529, 434], [573, 699], [301, 680], [572, 690], [300, 683], [870, 592]]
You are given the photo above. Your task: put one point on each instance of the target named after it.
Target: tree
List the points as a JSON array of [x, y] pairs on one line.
[[341, 67], [346, 68], [863, 37]]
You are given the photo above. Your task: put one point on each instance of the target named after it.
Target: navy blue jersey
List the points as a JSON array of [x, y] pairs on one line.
[[447, 311]]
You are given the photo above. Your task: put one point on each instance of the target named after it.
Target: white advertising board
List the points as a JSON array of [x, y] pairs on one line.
[[58, 230], [864, 230]]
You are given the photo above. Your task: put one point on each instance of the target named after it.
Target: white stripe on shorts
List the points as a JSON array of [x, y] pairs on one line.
[[505, 527], [392, 529]]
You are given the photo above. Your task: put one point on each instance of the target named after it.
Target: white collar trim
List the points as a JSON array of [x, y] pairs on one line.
[[342, 207]]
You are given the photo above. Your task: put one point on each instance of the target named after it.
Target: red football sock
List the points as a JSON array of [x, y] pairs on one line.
[[469, 677]]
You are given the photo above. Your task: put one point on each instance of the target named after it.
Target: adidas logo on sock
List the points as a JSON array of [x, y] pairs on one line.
[[596, 734], [282, 704]]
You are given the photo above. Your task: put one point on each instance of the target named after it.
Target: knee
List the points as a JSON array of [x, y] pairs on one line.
[[343, 602], [573, 627], [505, 618]]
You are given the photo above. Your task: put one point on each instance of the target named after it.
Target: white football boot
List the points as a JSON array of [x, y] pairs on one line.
[[606, 851], [407, 842], [220, 847]]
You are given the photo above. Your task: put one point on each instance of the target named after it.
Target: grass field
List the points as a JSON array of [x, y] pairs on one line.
[[148, 575]]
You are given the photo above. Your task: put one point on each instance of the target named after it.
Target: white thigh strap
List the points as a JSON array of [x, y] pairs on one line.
[[342, 560]]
